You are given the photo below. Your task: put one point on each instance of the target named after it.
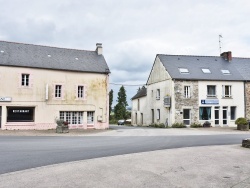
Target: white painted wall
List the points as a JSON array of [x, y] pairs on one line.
[[236, 100], [158, 79], [141, 111], [46, 111]]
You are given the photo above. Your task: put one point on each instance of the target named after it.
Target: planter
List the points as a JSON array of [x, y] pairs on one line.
[[243, 127], [62, 129], [246, 143], [207, 124]]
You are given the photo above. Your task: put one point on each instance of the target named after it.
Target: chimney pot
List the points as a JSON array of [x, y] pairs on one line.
[[99, 48], [227, 56]]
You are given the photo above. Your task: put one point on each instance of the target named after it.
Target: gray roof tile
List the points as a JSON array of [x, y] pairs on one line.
[[36, 56], [238, 67], [140, 93]]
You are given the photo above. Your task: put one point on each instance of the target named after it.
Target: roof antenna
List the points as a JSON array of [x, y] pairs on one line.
[[220, 36]]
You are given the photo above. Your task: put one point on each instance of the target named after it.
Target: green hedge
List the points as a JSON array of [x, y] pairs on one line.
[[196, 125], [161, 125], [178, 125]]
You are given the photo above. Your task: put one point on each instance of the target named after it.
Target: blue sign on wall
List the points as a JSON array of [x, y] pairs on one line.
[[210, 101]]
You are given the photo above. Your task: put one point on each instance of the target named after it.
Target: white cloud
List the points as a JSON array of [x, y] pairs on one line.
[[132, 31]]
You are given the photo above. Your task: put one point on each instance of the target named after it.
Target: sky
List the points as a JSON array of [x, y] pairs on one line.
[[132, 32]]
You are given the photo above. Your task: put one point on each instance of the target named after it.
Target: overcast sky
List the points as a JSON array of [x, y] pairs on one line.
[[132, 31]]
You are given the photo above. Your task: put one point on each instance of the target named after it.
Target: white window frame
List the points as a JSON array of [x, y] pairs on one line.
[[206, 71], [158, 114], [158, 94], [211, 95], [58, 91], [229, 95], [25, 80], [183, 70], [208, 111], [187, 91], [90, 117], [72, 117], [80, 92], [225, 72], [235, 112]]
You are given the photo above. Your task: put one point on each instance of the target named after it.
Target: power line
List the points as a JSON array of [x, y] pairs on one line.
[[127, 84]]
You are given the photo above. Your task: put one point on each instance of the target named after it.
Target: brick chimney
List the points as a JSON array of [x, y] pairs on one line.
[[99, 48], [227, 56]]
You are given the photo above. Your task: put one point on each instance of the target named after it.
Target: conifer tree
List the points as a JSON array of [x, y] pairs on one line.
[[120, 108], [110, 101]]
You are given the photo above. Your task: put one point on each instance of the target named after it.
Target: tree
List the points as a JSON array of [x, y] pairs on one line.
[[110, 101], [120, 108]]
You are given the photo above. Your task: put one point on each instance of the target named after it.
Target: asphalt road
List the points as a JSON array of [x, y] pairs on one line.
[[19, 153]]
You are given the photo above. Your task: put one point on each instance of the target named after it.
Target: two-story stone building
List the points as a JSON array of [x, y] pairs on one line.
[[40, 84], [195, 89]]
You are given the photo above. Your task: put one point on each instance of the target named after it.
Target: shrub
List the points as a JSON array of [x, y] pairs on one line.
[[161, 125], [196, 125], [241, 121], [178, 125]]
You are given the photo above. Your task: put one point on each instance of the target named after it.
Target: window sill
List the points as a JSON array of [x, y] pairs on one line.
[[20, 123], [25, 87], [223, 97], [212, 97]]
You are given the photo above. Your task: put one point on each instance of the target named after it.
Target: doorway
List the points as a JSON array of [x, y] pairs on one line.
[[141, 118], [152, 116], [217, 115], [224, 115], [186, 117]]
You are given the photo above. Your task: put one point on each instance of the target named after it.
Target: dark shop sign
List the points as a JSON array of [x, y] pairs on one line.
[[21, 111]]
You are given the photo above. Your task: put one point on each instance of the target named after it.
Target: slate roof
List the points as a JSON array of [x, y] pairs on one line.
[[45, 57], [140, 93], [238, 67]]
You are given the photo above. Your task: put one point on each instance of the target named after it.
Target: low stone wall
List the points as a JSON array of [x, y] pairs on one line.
[[246, 143]]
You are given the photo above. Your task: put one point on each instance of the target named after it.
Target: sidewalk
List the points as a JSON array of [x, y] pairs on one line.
[[196, 167], [51, 132], [137, 131]]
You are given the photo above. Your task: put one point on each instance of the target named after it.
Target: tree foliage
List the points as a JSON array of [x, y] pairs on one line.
[[110, 101], [120, 108]]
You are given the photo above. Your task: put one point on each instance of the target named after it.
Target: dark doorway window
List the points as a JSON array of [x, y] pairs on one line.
[[205, 113], [20, 114]]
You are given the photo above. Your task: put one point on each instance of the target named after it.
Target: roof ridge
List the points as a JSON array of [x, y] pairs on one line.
[[200, 56], [46, 46]]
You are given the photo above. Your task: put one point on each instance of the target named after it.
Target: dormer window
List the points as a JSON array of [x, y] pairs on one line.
[[206, 71], [225, 72], [183, 70]]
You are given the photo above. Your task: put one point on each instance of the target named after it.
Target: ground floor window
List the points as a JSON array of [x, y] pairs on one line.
[[20, 114], [72, 117], [205, 113], [90, 117], [233, 112]]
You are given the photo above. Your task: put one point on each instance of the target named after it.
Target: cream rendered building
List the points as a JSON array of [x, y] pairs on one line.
[[41, 84], [196, 89], [138, 112]]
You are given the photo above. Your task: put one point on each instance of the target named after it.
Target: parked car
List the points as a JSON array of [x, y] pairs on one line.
[[121, 122], [128, 122]]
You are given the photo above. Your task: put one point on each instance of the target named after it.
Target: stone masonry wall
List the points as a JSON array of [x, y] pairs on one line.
[[247, 99], [181, 102]]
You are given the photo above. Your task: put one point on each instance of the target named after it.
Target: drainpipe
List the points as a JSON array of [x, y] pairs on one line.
[[245, 99]]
